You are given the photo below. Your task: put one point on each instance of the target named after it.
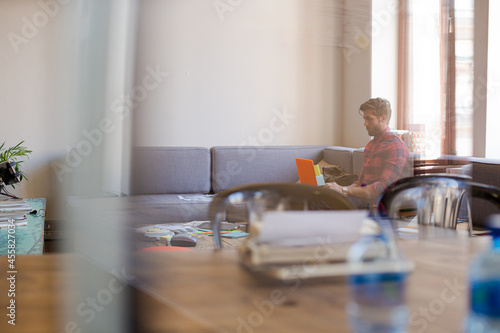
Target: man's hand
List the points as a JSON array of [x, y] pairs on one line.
[[334, 186]]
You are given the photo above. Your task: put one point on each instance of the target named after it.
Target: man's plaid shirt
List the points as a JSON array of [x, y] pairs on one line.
[[383, 161]]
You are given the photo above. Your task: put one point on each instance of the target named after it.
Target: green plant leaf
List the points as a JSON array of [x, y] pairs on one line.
[[15, 154]]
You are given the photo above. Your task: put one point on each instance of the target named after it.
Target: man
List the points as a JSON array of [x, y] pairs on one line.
[[384, 157]]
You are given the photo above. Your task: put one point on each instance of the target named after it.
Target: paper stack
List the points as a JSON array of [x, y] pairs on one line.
[[288, 244], [13, 209]]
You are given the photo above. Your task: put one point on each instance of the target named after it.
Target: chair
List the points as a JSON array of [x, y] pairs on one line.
[[261, 197], [436, 198], [485, 173]]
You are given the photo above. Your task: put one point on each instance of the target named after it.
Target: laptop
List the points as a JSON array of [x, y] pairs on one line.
[[309, 173]]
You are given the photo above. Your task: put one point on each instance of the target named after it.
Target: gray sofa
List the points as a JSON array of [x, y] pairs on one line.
[[175, 184]]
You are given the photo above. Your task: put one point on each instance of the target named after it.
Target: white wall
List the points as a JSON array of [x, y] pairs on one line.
[[232, 76], [232, 70], [37, 65], [357, 70], [48, 98], [481, 34]]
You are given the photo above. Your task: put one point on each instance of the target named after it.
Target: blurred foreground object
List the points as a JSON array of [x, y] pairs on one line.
[[436, 200], [287, 239], [484, 285], [378, 285]]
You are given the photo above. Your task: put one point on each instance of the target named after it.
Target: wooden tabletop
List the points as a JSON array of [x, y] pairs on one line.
[[39, 285], [212, 290], [207, 291]]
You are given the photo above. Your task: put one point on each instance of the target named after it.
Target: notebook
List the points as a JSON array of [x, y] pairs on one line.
[[308, 172]]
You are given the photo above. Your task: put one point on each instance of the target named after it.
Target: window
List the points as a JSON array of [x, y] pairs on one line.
[[436, 74]]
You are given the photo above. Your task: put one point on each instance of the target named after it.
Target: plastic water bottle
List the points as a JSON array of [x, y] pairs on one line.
[[377, 283], [484, 286]]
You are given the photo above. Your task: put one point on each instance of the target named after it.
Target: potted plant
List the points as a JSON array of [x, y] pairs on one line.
[[15, 154]]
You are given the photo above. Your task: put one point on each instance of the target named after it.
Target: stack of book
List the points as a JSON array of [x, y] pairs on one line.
[[287, 245], [13, 209]]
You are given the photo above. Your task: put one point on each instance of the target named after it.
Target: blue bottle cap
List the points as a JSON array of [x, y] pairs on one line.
[[494, 224]]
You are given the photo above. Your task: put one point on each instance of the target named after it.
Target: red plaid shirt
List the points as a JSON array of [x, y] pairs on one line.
[[383, 161]]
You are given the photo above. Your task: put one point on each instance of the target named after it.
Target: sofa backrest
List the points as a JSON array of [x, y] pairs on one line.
[[233, 165], [341, 156], [357, 160], [178, 170], [170, 170]]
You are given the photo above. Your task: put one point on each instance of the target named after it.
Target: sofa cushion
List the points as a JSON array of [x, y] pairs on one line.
[[169, 170], [234, 166], [167, 208], [140, 210]]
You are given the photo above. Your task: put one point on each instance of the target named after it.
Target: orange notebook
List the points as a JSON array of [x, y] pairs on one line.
[[305, 169]]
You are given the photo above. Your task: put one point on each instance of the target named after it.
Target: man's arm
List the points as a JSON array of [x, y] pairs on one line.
[[392, 167], [363, 192]]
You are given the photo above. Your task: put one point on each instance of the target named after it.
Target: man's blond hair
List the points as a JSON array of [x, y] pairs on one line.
[[380, 107]]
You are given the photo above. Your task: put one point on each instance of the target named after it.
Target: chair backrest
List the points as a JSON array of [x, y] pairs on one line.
[[485, 173], [436, 198], [261, 197]]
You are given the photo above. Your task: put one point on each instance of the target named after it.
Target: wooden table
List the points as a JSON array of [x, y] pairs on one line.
[[213, 291], [206, 291], [38, 293], [28, 238]]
